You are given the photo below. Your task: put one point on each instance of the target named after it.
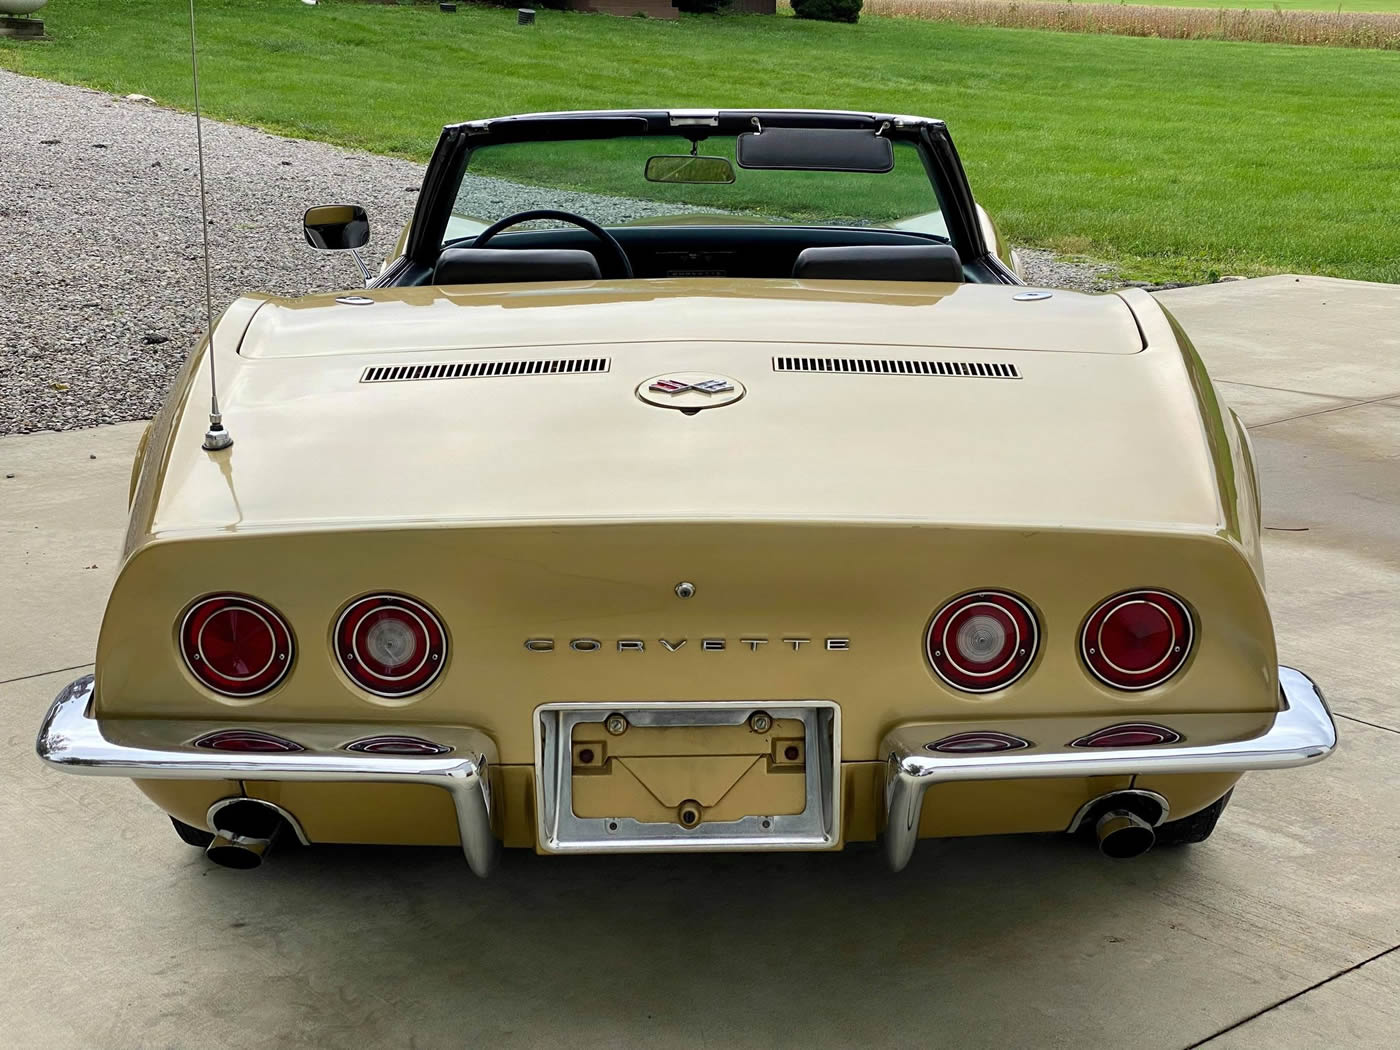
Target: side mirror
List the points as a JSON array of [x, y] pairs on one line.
[[336, 227]]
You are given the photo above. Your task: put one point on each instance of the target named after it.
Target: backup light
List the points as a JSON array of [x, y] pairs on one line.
[[390, 645], [983, 641]]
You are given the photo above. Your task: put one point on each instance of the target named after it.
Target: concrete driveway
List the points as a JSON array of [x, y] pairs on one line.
[[1283, 931]]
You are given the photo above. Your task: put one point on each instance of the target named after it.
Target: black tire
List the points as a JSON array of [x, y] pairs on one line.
[[191, 835], [1195, 828]]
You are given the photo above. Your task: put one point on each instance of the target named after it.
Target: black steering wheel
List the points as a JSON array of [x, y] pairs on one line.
[[609, 241]]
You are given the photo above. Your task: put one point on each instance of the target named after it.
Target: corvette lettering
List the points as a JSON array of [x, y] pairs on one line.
[[672, 645]]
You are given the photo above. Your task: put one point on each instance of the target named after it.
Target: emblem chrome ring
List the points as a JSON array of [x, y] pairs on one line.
[[690, 392]]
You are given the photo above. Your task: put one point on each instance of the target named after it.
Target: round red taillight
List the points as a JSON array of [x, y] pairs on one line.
[[390, 645], [235, 645], [1137, 640], [982, 641]]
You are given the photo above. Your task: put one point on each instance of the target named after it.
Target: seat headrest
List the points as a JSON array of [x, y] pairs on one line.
[[886, 262], [507, 265]]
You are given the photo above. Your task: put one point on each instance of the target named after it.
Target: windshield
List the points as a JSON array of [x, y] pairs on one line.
[[606, 180]]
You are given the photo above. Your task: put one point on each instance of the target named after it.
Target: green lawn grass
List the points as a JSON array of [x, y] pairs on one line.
[[616, 167], [1171, 158]]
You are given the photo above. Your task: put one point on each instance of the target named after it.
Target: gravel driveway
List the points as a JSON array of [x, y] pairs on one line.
[[101, 296]]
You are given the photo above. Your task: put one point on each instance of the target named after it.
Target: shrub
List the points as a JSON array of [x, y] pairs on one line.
[[702, 7], [828, 10]]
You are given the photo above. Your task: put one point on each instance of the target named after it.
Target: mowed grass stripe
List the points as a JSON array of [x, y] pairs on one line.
[[1173, 158]]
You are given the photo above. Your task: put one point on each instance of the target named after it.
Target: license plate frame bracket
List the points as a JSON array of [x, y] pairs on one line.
[[560, 830]]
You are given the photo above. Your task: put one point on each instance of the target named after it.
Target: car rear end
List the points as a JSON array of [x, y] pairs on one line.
[[1011, 583], [685, 686]]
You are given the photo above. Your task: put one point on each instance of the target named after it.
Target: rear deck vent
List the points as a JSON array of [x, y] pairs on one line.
[[483, 369], [895, 367]]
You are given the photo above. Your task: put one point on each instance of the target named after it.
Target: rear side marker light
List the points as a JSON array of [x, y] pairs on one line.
[[1129, 734], [983, 641], [390, 645], [1137, 640], [978, 743], [245, 740], [397, 745], [235, 645]]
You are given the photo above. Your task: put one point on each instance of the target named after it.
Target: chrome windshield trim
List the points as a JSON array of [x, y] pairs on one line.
[[1302, 733], [72, 740], [902, 120]]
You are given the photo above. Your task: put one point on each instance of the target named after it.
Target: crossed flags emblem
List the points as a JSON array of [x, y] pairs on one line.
[[680, 386]]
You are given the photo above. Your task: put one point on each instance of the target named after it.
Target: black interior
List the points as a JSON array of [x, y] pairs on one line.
[[756, 251], [880, 262], [616, 265], [501, 265], [694, 246]]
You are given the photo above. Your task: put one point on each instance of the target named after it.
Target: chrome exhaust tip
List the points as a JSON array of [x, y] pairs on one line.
[[237, 851], [245, 830], [1123, 835]]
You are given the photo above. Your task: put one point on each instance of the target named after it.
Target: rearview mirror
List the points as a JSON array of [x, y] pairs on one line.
[[681, 167], [336, 227]]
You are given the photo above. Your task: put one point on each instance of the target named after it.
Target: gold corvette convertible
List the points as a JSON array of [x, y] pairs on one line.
[[690, 480]]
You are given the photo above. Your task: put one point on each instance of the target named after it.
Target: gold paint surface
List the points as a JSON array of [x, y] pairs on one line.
[[534, 449], [420, 815], [188, 801], [390, 814], [877, 586], [820, 506], [1188, 792], [745, 310]]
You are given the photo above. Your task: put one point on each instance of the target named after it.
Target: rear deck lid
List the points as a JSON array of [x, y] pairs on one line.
[[870, 313]]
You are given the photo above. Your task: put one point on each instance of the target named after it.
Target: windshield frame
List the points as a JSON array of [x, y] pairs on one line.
[[443, 177]]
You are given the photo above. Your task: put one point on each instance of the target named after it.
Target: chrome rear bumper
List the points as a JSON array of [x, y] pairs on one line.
[[1302, 732], [72, 740]]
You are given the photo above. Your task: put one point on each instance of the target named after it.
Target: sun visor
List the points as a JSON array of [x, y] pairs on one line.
[[815, 149]]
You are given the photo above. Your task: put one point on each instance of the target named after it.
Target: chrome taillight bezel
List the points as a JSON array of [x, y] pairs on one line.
[[216, 741], [979, 742], [350, 658], [1183, 624], [1019, 660], [398, 744], [189, 640], [1111, 736]]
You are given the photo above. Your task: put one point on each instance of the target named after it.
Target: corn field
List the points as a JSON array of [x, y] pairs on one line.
[[1328, 29]]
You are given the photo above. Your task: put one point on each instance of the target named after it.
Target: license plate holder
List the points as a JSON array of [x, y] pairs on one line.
[[816, 827]]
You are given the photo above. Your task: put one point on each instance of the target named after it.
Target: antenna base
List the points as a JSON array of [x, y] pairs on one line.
[[217, 438]]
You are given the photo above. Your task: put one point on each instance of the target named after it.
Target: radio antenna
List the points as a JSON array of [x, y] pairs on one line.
[[216, 437]]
